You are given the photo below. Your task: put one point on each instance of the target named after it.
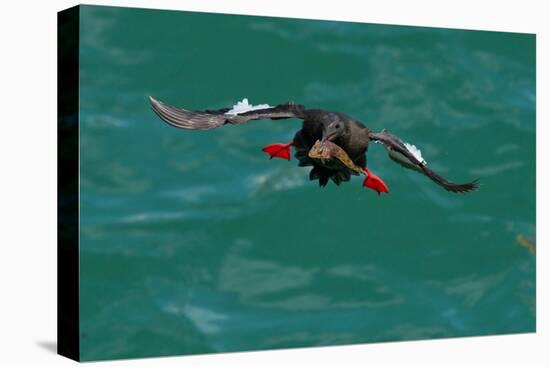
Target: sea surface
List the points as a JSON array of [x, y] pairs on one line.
[[195, 242]]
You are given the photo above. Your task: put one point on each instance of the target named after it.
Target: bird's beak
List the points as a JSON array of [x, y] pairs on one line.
[[327, 138]]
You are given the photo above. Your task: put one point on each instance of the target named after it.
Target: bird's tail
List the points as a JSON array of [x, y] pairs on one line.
[[325, 174]]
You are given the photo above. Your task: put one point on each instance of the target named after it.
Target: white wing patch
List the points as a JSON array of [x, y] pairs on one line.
[[415, 152], [243, 106]]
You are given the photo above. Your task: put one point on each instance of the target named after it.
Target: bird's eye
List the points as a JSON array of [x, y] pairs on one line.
[[337, 126]]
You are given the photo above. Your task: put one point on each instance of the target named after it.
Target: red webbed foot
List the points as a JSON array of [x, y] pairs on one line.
[[374, 182], [278, 150]]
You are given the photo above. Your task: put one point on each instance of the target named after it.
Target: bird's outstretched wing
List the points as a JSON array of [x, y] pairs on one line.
[[209, 119], [410, 157]]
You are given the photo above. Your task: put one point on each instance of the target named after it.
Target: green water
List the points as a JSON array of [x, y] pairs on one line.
[[195, 242]]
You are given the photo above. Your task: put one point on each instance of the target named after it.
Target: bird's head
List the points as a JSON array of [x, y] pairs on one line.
[[334, 130]]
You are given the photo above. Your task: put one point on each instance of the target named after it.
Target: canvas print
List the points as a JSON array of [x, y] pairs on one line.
[[236, 183]]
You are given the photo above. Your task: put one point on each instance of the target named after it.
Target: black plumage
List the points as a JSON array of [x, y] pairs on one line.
[[351, 135]]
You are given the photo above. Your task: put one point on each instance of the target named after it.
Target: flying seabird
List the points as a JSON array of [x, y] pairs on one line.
[[350, 135]]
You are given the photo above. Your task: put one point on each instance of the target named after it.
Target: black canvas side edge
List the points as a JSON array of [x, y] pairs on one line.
[[68, 319]]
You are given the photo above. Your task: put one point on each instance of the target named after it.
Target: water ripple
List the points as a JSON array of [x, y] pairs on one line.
[[496, 169]]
